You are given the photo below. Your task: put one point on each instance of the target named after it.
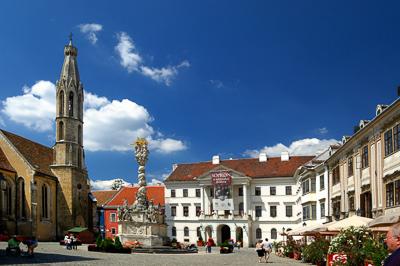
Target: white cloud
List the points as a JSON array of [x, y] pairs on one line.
[[309, 146], [105, 184], [130, 58], [216, 83], [34, 109], [90, 30], [132, 61], [166, 145], [109, 125], [323, 130], [154, 182]]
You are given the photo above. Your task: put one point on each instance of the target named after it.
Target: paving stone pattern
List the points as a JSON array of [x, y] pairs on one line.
[[49, 253]]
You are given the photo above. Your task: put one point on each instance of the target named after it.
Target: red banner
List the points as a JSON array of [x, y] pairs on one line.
[[221, 178]]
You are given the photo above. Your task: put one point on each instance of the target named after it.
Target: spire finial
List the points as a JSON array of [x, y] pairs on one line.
[[70, 38]]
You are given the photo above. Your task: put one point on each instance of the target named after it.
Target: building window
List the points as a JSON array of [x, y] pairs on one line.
[[21, 198], [45, 202], [336, 209], [241, 208], [322, 206], [258, 211], [185, 193], [173, 231], [186, 231], [350, 166], [309, 212], [393, 194], [9, 199], [289, 210], [113, 217], [388, 142], [313, 211], [306, 186], [257, 191], [396, 137], [79, 135], [198, 232], [71, 104], [274, 233], [198, 211], [364, 157], [240, 191], [79, 106], [321, 182], [60, 130], [198, 193], [173, 210], [313, 185], [211, 192], [172, 193], [258, 233], [351, 203], [186, 211], [61, 104], [335, 175], [288, 190], [113, 231], [272, 191], [272, 210]]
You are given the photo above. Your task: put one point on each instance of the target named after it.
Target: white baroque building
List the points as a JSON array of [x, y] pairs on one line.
[[263, 192], [313, 190]]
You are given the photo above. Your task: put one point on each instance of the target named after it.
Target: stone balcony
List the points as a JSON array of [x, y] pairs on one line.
[[225, 217]]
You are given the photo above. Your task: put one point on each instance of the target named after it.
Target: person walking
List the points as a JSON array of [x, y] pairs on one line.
[[260, 250], [393, 243], [267, 246], [210, 243]]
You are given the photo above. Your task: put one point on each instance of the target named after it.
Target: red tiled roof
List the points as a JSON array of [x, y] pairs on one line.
[[273, 167], [103, 196], [38, 155], [4, 163], [154, 193]]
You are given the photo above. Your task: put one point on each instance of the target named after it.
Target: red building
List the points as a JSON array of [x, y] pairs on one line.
[[154, 193]]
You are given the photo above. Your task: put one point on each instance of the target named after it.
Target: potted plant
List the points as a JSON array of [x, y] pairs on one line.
[[351, 242], [174, 243], [374, 251], [225, 248], [316, 251]]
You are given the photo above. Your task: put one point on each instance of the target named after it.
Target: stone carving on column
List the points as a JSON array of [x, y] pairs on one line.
[[143, 221]]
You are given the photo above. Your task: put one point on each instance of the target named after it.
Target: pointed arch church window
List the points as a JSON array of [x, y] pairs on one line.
[[21, 198], [61, 104], [79, 106], [45, 202], [60, 130], [79, 135], [71, 104]]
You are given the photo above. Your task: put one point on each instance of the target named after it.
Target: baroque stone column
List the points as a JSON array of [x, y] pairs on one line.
[[141, 154]]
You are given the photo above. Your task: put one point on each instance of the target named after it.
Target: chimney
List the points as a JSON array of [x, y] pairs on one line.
[[215, 159], [284, 156], [262, 157], [174, 166]]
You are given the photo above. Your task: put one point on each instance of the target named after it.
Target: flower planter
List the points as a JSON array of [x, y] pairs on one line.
[[123, 250], [200, 243], [297, 256]]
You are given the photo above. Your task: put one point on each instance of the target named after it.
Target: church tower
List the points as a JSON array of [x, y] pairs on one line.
[[68, 159]]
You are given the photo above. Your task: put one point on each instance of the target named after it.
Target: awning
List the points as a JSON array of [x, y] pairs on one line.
[[350, 221], [310, 230], [385, 220], [77, 229]]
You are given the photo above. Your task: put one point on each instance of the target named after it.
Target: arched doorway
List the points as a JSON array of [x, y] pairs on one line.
[[224, 233], [239, 235]]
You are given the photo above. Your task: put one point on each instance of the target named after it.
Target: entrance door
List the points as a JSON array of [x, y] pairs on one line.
[[225, 233]]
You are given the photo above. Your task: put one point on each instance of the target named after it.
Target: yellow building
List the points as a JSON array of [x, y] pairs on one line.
[[45, 191]]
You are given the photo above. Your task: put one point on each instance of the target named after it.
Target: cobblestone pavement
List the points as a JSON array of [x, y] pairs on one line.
[[54, 254]]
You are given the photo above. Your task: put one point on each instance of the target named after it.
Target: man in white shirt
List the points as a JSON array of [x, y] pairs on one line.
[[267, 248]]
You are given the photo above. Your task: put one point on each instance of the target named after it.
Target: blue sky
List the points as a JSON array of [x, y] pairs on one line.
[[200, 78]]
